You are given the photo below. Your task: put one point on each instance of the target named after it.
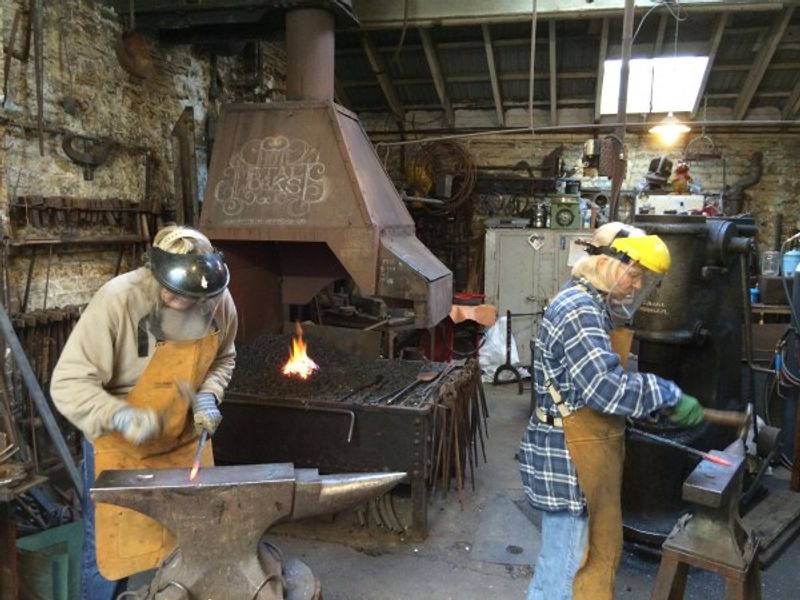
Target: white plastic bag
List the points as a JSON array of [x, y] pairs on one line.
[[493, 353]]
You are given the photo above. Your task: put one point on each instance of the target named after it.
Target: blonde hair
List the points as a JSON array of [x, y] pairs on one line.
[[597, 268], [182, 240]]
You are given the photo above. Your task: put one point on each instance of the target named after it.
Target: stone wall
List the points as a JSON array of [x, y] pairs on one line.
[[86, 92]]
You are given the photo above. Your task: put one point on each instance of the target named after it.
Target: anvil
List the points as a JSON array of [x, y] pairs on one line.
[[221, 516]]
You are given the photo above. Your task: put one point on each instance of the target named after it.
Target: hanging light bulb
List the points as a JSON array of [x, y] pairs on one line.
[[669, 129]]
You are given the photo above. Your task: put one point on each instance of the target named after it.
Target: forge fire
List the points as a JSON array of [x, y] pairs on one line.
[[299, 364]]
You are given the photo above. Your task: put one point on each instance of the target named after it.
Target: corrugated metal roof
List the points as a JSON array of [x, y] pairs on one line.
[[477, 92], [417, 94], [779, 79], [366, 96], [463, 61]]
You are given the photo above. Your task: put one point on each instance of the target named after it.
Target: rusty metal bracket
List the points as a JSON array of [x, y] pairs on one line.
[[93, 153]]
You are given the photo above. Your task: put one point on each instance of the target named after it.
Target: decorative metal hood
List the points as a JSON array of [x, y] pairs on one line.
[[305, 171]]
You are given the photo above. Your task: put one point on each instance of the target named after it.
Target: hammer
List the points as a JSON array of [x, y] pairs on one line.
[[731, 418]]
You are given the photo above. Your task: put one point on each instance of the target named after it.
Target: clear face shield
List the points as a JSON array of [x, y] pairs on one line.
[[633, 285]]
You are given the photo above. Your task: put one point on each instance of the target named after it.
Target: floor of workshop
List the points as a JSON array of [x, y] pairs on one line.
[[481, 546]]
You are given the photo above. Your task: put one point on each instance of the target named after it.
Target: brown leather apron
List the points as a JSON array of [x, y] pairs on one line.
[[596, 444], [127, 541]]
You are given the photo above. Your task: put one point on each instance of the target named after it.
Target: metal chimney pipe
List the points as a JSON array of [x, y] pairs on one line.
[[309, 54]]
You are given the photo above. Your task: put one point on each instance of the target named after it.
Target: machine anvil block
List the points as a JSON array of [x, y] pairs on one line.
[[220, 517], [715, 531]]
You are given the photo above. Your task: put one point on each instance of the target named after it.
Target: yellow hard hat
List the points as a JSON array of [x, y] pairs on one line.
[[650, 251]]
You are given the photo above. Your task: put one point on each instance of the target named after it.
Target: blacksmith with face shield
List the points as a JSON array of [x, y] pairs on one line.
[[141, 376], [573, 448]]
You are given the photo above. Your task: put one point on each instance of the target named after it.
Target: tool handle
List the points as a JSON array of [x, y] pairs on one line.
[[729, 418]]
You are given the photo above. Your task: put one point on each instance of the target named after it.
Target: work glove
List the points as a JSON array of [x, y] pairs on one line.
[[137, 425], [688, 411], [206, 413]]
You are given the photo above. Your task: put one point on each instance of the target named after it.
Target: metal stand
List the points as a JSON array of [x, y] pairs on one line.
[[713, 538], [507, 366]]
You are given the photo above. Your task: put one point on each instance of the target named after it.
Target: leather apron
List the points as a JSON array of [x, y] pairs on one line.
[[596, 444], [127, 541]]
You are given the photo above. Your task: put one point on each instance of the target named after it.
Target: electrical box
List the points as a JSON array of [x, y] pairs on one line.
[[565, 212], [524, 269]]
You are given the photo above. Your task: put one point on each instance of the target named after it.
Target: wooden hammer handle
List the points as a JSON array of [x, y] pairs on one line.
[[730, 418]]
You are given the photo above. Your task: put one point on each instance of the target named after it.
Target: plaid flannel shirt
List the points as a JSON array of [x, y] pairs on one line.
[[573, 350]]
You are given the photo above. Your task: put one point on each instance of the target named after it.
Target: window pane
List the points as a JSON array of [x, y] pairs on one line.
[[668, 84]]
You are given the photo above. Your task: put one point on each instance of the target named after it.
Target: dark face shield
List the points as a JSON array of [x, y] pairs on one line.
[[197, 276]]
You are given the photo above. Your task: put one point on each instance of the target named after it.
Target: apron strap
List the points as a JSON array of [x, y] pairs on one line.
[[557, 400], [143, 338]]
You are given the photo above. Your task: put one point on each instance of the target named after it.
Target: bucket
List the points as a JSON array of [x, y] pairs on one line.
[[790, 261]]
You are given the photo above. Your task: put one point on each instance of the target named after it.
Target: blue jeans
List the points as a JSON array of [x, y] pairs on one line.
[[93, 585], [563, 543]]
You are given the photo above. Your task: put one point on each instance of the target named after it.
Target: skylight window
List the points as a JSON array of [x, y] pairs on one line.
[[656, 85]]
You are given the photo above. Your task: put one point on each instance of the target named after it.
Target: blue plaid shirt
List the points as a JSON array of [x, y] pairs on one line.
[[573, 350]]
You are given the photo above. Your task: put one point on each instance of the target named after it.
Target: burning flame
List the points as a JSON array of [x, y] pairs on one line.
[[299, 363], [195, 471]]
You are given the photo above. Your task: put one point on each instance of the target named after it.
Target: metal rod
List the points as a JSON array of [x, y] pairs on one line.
[[35, 391], [677, 445]]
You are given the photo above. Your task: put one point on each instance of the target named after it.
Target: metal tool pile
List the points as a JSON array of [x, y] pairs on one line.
[[458, 427]]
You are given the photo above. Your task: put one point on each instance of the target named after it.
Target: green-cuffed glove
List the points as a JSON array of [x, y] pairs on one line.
[[688, 411]]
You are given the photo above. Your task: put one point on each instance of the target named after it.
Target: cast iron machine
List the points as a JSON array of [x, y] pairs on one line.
[[689, 331], [220, 517]]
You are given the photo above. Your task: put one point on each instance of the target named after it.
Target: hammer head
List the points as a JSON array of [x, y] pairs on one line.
[[731, 418], [186, 390]]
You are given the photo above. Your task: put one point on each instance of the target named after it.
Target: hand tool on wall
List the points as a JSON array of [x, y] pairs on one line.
[[11, 51], [87, 152], [38, 59], [185, 169], [677, 445], [131, 50]]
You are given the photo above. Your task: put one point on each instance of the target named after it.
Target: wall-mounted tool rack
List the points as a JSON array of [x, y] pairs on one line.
[[78, 220]]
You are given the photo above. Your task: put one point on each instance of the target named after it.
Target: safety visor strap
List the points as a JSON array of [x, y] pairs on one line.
[[593, 250]]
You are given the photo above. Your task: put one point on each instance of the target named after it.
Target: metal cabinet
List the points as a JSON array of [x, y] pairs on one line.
[[524, 268]]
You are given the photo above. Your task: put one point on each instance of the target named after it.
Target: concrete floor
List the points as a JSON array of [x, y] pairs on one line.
[[481, 544]]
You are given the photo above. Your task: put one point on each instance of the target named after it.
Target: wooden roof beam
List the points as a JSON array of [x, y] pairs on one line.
[[712, 55], [438, 76], [341, 94], [384, 80], [761, 63], [602, 53], [498, 98], [792, 106]]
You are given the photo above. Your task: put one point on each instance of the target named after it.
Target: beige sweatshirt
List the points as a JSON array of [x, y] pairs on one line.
[[100, 363]]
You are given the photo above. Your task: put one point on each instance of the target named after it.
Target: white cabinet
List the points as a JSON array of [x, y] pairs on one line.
[[524, 268]]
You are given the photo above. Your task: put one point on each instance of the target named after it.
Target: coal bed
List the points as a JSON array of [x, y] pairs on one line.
[[260, 360]]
